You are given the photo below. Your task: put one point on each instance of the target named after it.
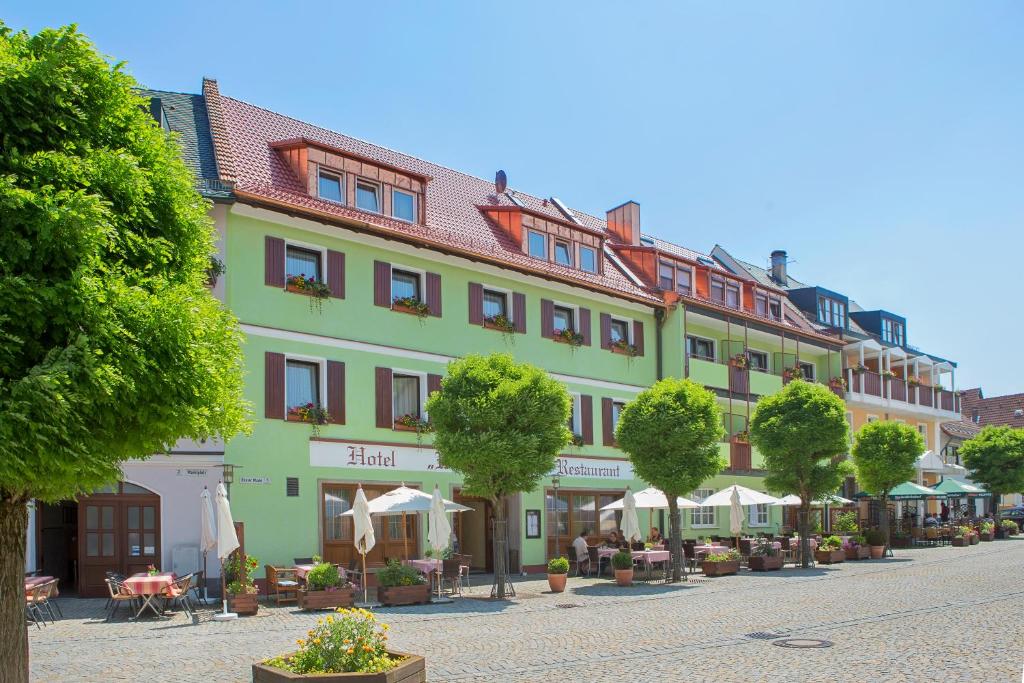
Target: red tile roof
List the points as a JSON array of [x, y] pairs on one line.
[[997, 410]]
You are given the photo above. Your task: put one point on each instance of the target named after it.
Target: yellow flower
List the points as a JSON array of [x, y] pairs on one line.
[[367, 648], [300, 642], [316, 641], [330, 620], [349, 651], [346, 641], [385, 627]]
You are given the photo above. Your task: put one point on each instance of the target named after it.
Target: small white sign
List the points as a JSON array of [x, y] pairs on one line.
[[191, 472], [254, 480]]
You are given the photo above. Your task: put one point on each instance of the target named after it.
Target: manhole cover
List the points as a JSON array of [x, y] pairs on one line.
[[566, 605], [763, 635], [803, 643]]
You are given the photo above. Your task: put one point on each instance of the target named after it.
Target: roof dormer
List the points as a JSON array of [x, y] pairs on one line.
[[547, 238]]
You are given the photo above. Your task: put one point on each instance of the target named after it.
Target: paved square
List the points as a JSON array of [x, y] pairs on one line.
[[934, 614]]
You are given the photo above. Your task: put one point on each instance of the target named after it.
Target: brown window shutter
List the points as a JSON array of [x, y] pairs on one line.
[[519, 312], [385, 418], [585, 325], [433, 384], [476, 303], [547, 318], [606, 331], [273, 255], [606, 422], [587, 419], [336, 392], [336, 273], [273, 385], [638, 337], [382, 284], [434, 294]]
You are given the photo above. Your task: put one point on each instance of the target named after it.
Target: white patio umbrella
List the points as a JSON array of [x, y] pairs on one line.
[[207, 532], [744, 496], [789, 500], [363, 536], [440, 532], [735, 516], [402, 501], [630, 523], [651, 499], [227, 543]]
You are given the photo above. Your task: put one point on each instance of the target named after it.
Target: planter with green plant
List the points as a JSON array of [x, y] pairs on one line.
[[973, 536], [987, 531], [846, 524], [876, 541], [317, 291], [411, 305], [622, 563], [962, 536], [241, 589], [558, 572], [830, 551], [346, 647], [325, 589], [856, 548], [568, 336], [311, 413], [1009, 527], [400, 584], [721, 564], [764, 557], [623, 347]]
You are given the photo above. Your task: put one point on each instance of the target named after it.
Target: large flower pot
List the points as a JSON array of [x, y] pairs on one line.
[[974, 539], [413, 669], [829, 556], [861, 552], [556, 582], [877, 552], [764, 563], [243, 604], [720, 568], [326, 599], [624, 577], [960, 541], [989, 536], [403, 595]]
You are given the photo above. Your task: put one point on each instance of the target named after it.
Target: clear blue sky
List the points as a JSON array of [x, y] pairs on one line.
[[880, 143]]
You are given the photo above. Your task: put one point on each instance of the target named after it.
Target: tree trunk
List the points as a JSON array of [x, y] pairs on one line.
[[501, 547], [675, 538], [805, 530], [13, 633], [883, 516]]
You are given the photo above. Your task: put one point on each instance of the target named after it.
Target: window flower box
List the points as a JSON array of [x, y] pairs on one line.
[[309, 286], [500, 323], [326, 599], [624, 349], [412, 669], [410, 305], [573, 339]]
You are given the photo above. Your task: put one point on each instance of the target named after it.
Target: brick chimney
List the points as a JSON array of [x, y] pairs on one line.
[[778, 270], [624, 222]]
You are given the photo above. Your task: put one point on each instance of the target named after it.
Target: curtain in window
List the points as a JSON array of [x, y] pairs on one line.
[[557, 514], [302, 262], [301, 385], [406, 392], [336, 527]]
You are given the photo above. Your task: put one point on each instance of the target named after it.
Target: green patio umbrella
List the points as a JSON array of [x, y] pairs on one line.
[[908, 490], [955, 488]]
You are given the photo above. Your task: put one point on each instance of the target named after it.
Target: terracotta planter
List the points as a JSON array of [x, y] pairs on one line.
[[877, 552], [403, 595], [720, 568], [243, 604], [406, 309], [624, 577], [989, 536], [829, 556], [861, 552], [494, 326], [960, 541], [342, 597], [400, 427], [413, 669], [764, 563], [622, 351], [556, 582]]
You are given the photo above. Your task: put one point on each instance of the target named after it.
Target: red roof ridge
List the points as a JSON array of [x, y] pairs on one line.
[[222, 152]]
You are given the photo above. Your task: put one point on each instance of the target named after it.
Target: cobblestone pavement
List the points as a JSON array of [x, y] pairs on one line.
[[935, 614]]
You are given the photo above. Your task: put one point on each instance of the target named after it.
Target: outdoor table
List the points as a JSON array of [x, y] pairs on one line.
[[149, 587], [33, 581], [706, 549], [648, 556], [430, 567], [301, 570]]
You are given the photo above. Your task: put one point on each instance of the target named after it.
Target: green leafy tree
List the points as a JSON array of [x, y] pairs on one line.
[[802, 434], [111, 347], [995, 458], [500, 424], [883, 454], [671, 433]]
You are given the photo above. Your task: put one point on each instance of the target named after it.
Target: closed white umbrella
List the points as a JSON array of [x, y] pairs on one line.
[[735, 516], [630, 523], [227, 542], [363, 536], [207, 531], [440, 532]]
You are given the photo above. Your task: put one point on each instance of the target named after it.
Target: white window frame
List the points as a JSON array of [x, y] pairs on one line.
[[341, 184], [814, 369], [569, 251], [629, 327], [739, 294], [308, 246], [579, 258], [547, 244], [617, 401], [767, 358], [703, 511], [922, 429], [415, 205], [675, 277], [672, 268], [409, 269], [575, 315], [509, 313], [714, 348], [321, 364], [754, 515], [577, 418], [380, 194], [423, 391], [871, 418]]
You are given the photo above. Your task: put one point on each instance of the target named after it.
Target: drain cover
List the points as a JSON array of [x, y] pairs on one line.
[[566, 605], [763, 635], [803, 643]]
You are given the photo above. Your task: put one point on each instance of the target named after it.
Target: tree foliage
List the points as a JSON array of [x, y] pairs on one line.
[[995, 458], [671, 433], [883, 454]]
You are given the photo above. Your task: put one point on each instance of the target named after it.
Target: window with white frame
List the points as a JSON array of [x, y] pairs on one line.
[[329, 187], [619, 331], [702, 516], [405, 285], [758, 360], [807, 369], [718, 289], [574, 415], [403, 205], [831, 312], [617, 407], [405, 396], [302, 261], [563, 254], [537, 242], [564, 319], [699, 347], [892, 331], [368, 196], [665, 274], [495, 304], [588, 259], [732, 295], [922, 428], [683, 281], [759, 515], [301, 384], [872, 418]]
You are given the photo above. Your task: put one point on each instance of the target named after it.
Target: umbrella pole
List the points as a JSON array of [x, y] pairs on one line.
[[363, 554], [405, 537], [206, 594]]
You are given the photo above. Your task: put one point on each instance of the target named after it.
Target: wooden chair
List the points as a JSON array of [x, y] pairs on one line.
[[120, 593], [281, 583], [931, 535]]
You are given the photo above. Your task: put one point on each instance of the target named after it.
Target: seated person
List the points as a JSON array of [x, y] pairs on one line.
[[931, 520], [612, 540], [655, 536], [579, 546]]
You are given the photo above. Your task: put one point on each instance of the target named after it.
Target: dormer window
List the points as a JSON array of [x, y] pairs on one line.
[[725, 292], [329, 187], [403, 205], [588, 259], [683, 281], [368, 196], [563, 255], [892, 331], [538, 244], [768, 306], [831, 312], [665, 273]]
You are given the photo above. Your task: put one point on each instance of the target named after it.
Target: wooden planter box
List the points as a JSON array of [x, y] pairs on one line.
[[960, 541], [989, 536], [764, 563], [342, 597], [829, 556], [403, 595], [399, 427], [861, 552], [413, 669], [243, 604], [494, 326], [720, 568], [974, 539]]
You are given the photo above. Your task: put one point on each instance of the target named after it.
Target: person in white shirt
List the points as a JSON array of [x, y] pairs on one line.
[[579, 545]]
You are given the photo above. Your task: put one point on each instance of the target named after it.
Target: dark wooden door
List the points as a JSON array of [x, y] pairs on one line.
[[119, 531], [395, 537]]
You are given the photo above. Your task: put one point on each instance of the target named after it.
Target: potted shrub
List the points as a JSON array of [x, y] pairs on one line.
[[856, 548], [1009, 527], [961, 536], [558, 571], [352, 646], [830, 551], [988, 531], [973, 536], [876, 541], [241, 590], [400, 584], [721, 564], [764, 557], [622, 563], [325, 589]]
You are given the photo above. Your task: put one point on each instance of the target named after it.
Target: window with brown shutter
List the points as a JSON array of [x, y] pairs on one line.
[[606, 331], [433, 299], [382, 284], [385, 418], [547, 318], [587, 419], [607, 427], [433, 384], [273, 261], [519, 312], [336, 273], [584, 325], [476, 303], [336, 392], [638, 337], [273, 385]]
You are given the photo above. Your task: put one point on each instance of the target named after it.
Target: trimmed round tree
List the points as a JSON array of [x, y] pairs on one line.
[[111, 346], [500, 424], [671, 433], [802, 433], [883, 455], [995, 459]]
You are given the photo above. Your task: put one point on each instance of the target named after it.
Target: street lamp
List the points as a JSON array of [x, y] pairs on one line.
[[555, 482], [228, 476]]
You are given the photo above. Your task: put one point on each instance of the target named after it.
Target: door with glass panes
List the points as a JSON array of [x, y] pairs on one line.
[[118, 531], [395, 537]]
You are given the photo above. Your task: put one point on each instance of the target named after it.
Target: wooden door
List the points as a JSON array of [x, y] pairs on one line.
[[98, 549], [119, 531], [389, 532]]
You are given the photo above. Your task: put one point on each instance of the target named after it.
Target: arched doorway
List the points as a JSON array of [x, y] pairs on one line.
[[119, 531]]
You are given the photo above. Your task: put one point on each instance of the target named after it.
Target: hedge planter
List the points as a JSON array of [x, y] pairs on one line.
[[989, 536], [861, 552], [960, 541], [341, 597], [761, 563], [720, 568], [829, 556], [403, 595], [243, 604], [413, 669]]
